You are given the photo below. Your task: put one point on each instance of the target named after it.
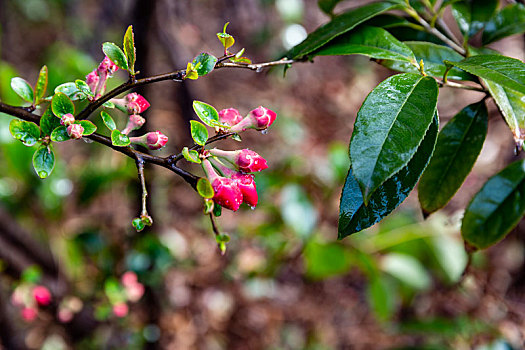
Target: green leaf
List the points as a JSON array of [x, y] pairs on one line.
[[70, 89], [354, 216], [191, 156], [41, 85], [22, 89], [512, 105], [457, 149], [26, 132], [207, 63], [119, 139], [381, 296], [48, 122], [407, 269], [471, 15], [61, 104], [327, 6], [204, 188], [88, 126], [129, 49], [433, 56], [59, 134], [32, 274], [109, 104], [83, 87], [138, 224], [199, 133], [226, 39], [389, 127], [339, 25], [44, 161], [496, 208], [502, 70], [510, 20], [208, 114], [115, 54], [108, 121], [369, 41], [326, 260]]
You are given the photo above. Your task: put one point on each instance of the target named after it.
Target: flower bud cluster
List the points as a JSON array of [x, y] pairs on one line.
[[133, 291], [259, 119], [29, 298], [97, 79]]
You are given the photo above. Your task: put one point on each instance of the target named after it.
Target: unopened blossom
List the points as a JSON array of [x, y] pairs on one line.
[[42, 295], [135, 122], [75, 131], [136, 103], [151, 140], [67, 119], [120, 309], [227, 192], [248, 189], [244, 160], [29, 313], [230, 116], [259, 119]]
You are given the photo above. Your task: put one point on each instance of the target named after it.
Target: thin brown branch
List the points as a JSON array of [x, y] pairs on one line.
[[140, 168]]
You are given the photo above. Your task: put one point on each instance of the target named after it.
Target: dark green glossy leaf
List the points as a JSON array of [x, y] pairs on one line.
[[354, 216], [59, 134], [208, 114], [510, 20], [61, 104], [369, 41], [204, 188], [48, 122], [138, 224], [71, 90], [512, 105], [327, 6], [22, 89], [199, 133], [26, 132], [390, 21], [115, 54], [83, 87], [108, 121], [471, 15], [496, 208], [207, 63], [457, 149], [502, 70], [41, 85], [129, 49], [339, 25], [119, 139], [191, 156], [389, 127], [44, 161], [433, 56], [88, 126]]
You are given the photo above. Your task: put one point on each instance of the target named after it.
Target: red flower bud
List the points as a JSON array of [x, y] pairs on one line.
[[135, 122], [151, 140], [230, 116], [108, 66], [29, 313], [75, 131], [67, 119], [136, 103], [129, 278], [244, 160], [227, 192], [92, 80], [259, 119], [42, 295], [246, 184], [120, 309]]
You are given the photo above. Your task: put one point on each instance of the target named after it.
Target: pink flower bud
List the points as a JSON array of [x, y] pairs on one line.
[[227, 192], [135, 122], [29, 313], [230, 116], [42, 295], [135, 292], [120, 309], [151, 140], [244, 160], [136, 103], [247, 186], [108, 66], [17, 298], [129, 278], [67, 119], [259, 119], [92, 80], [75, 131], [65, 315]]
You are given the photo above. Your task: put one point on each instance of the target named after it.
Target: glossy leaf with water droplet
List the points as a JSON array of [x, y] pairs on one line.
[[49, 122], [108, 121], [61, 104], [89, 127], [354, 216], [59, 134], [119, 139], [22, 89], [496, 208], [41, 85], [129, 49], [458, 146], [204, 188], [26, 132], [207, 63], [44, 161], [509, 21], [115, 54], [199, 133], [207, 113]]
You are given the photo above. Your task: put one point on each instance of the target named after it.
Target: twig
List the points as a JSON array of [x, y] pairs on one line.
[[459, 86], [140, 168], [174, 158], [254, 66]]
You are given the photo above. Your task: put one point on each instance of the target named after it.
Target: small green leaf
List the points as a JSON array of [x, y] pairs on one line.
[[44, 161], [502, 70], [71, 90], [26, 132], [59, 134], [61, 104], [191, 156], [496, 208], [207, 63], [457, 148], [204, 188], [138, 224], [41, 85], [199, 133], [389, 127], [32, 274], [115, 54], [108, 121], [509, 21], [119, 139], [129, 49], [83, 87], [48, 122], [217, 210], [22, 89], [109, 104], [206, 113], [208, 206], [226, 39], [88, 126]]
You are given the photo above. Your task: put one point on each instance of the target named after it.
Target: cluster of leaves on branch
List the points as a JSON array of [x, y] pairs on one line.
[[396, 142]]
